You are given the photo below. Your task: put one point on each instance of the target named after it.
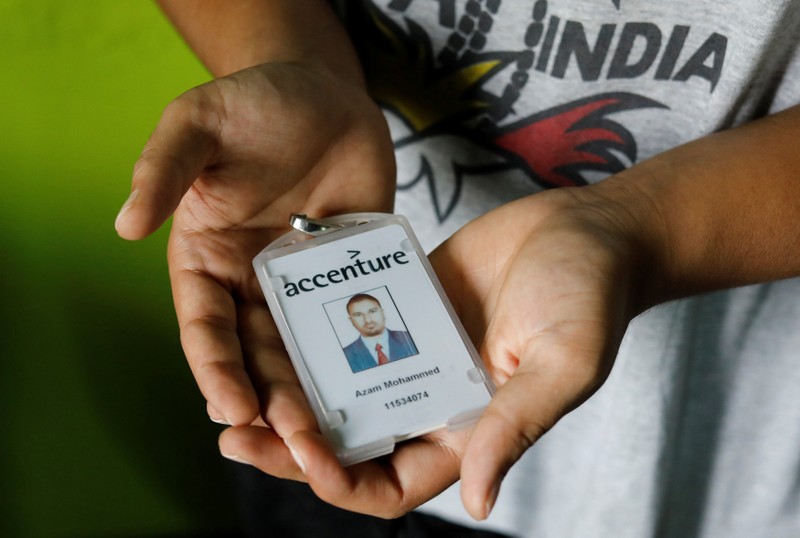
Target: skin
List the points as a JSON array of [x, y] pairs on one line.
[[367, 317], [545, 285]]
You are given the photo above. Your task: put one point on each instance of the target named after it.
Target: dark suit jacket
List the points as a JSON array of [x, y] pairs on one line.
[[359, 357]]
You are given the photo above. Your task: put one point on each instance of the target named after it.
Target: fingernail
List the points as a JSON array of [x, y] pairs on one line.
[[236, 458], [216, 416], [126, 206], [492, 499], [297, 459]]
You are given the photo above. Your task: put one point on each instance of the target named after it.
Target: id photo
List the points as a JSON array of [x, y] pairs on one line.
[[370, 329]]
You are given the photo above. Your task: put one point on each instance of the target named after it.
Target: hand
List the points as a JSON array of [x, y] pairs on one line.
[[545, 287], [232, 159]]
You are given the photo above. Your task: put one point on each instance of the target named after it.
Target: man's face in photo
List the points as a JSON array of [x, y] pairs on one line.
[[367, 317]]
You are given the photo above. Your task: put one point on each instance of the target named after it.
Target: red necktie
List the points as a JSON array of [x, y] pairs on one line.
[[382, 358]]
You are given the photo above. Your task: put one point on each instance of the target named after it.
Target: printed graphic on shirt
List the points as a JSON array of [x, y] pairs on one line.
[[462, 88]]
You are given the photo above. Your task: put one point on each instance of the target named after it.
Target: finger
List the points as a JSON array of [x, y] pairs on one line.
[[522, 410], [261, 447], [284, 405], [387, 487], [217, 417], [176, 153], [207, 319]]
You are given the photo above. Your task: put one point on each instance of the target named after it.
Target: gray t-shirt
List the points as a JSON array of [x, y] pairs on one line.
[[697, 430]]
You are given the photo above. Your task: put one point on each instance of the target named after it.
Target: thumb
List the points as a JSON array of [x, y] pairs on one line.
[[522, 410], [176, 153]]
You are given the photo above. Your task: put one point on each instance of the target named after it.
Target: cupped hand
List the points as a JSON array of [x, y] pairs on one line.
[[232, 159], [545, 286]]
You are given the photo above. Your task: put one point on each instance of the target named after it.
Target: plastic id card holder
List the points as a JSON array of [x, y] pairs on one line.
[[376, 345]]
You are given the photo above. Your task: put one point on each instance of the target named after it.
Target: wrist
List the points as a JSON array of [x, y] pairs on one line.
[[629, 219], [232, 35], [335, 58]]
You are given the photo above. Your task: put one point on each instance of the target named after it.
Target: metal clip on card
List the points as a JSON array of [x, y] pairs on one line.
[[313, 227]]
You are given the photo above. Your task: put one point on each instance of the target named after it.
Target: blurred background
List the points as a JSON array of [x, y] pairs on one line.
[[104, 432]]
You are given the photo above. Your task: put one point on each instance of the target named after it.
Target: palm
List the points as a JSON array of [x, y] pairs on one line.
[[287, 139]]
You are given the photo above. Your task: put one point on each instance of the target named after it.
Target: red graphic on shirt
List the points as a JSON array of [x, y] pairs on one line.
[[556, 145]]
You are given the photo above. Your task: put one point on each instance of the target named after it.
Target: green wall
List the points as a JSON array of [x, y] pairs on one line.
[[104, 432]]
